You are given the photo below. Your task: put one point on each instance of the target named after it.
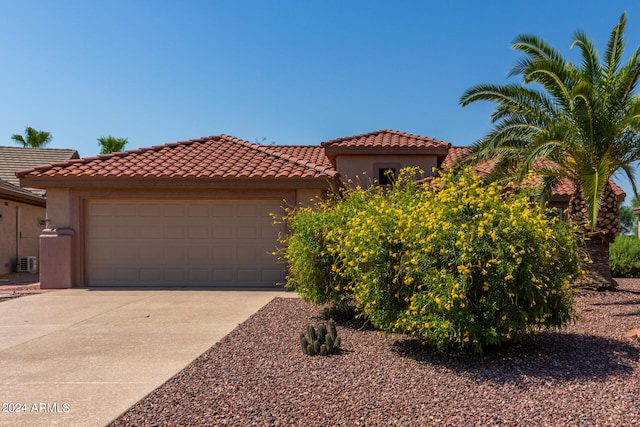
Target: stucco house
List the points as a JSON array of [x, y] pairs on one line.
[[22, 210], [198, 212]]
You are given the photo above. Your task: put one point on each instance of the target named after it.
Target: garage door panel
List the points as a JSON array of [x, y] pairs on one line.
[[100, 209], [175, 274], [174, 243], [102, 274], [101, 253], [126, 231], [173, 254], [248, 232], [173, 210], [125, 274], [199, 232], [151, 275], [245, 210], [224, 210], [150, 210], [248, 275], [103, 231], [223, 255], [222, 232], [272, 275], [150, 254], [150, 231], [173, 231], [247, 254], [126, 210], [199, 210], [199, 255], [125, 255], [223, 275], [199, 275]]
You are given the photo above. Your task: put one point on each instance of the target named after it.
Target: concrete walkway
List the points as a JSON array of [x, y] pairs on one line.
[[81, 357]]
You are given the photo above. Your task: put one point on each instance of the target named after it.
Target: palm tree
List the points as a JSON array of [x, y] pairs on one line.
[[569, 122], [32, 138], [110, 144]]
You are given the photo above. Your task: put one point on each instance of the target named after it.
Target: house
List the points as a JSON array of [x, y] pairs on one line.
[[22, 210], [199, 212]]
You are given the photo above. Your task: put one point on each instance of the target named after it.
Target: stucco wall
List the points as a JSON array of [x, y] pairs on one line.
[[309, 196], [20, 227], [351, 167]]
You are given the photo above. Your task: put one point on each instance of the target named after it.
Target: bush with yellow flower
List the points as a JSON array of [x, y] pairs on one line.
[[456, 263]]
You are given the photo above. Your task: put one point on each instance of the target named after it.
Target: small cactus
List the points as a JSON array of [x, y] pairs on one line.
[[321, 342]]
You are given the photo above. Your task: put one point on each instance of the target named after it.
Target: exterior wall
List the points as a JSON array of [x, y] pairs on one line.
[[362, 169], [308, 197], [20, 226]]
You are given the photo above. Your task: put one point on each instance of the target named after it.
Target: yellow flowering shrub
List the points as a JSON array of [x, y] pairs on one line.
[[456, 263], [312, 249]]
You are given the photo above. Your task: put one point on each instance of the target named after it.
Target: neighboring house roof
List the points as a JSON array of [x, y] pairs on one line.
[[219, 156], [13, 159], [9, 191], [386, 141]]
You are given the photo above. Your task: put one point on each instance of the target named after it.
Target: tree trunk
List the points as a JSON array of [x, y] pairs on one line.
[[598, 275], [596, 239]]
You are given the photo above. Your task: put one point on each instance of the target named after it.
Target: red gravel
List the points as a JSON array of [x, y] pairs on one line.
[[585, 375]]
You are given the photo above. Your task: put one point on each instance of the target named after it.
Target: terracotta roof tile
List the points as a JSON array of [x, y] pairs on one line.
[[311, 154], [386, 138], [565, 188], [454, 156], [220, 156]]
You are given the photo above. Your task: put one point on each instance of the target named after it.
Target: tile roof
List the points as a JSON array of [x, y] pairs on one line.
[[219, 156], [565, 188], [454, 156], [308, 153], [386, 138], [13, 159], [9, 191], [9, 187]]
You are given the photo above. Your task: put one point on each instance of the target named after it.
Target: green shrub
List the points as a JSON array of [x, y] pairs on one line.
[[624, 257], [456, 263], [311, 252]]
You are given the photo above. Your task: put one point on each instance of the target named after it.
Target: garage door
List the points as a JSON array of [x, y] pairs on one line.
[[182, 243]]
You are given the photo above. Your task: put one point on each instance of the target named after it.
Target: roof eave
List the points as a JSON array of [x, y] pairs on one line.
[[45, 182], [14, 196]]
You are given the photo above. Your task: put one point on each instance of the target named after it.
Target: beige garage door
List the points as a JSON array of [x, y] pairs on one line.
[[182, 243]]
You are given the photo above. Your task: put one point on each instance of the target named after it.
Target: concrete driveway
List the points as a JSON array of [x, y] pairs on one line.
[[81, 357]]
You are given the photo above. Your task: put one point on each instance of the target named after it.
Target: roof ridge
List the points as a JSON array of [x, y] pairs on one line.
[[385, 131], [298, 161], [266, 149]]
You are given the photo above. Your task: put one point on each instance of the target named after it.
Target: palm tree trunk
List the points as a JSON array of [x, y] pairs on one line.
[[596, 240], [598, 273]]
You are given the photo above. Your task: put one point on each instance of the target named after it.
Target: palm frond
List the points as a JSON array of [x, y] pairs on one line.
[[615, 47]]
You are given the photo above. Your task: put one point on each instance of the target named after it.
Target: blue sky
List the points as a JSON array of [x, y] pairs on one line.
[[293, 72]]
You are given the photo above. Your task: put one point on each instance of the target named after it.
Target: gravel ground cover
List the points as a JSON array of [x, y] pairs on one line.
[[587, 374]]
